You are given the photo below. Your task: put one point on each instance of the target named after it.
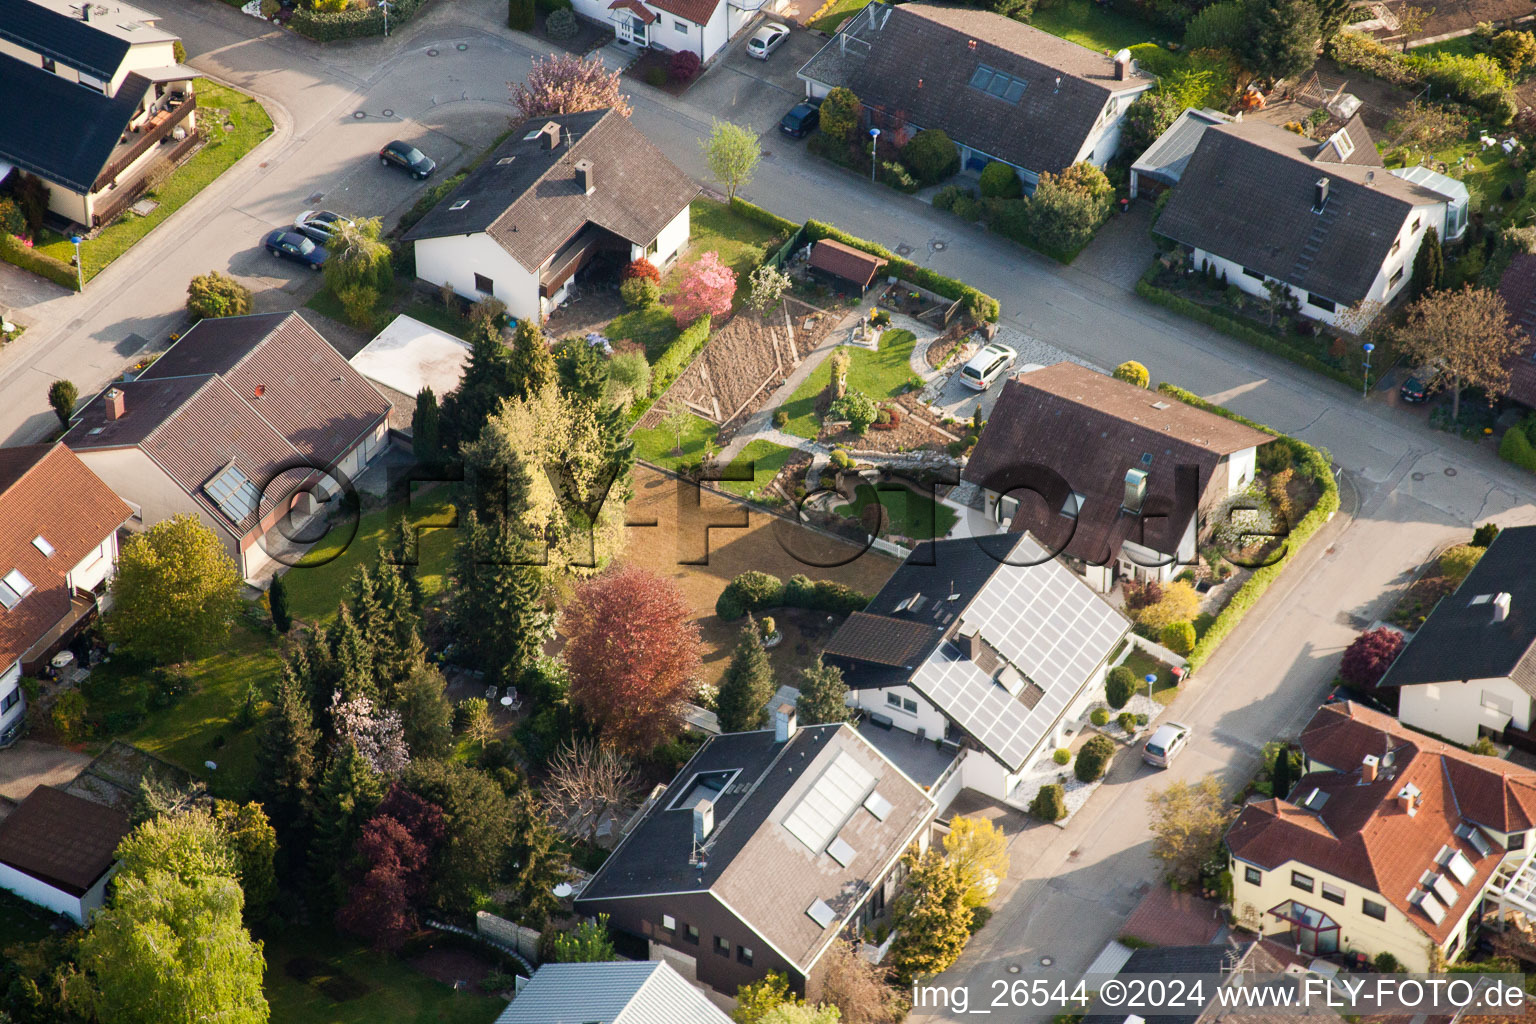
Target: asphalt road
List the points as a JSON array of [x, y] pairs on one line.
[[1407, 489]]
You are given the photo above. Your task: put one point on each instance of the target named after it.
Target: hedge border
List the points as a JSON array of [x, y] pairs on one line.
[[1312, 461], [1242, 332], [984, 305], [39, 263], [331, 26]]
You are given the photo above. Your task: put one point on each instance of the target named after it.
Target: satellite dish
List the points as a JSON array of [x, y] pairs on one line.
[[563, 890]]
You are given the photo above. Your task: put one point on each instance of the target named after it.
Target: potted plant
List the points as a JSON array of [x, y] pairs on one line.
[[770, 631]]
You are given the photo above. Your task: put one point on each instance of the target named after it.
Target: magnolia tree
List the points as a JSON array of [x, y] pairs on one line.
[[707, 290], [564, 83], [769, 284], [378, 735]]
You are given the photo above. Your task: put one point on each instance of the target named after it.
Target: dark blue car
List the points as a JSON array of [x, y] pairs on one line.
[[408, 158], [290, 245], [799, 121]]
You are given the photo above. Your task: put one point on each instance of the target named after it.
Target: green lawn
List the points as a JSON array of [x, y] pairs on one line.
[[741, 243], [371, 987], [910, 514], [317, 583], [205, 724], [251, 126], [1087, 24], [880, 375], [835, 14], [658, 444], [763, 459], [652, 329], [403, 300], [1140, 662], [1461, 46]]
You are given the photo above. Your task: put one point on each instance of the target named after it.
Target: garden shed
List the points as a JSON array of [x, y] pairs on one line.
[[843, 267]]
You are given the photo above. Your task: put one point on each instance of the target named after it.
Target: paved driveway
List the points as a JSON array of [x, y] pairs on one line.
[[755, 92], [961, 402], [30, 764]]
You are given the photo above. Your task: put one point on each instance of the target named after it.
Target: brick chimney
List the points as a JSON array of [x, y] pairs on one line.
[[116, 404], [549, 135], [1122, 65], [1369, 766], [585, 176]]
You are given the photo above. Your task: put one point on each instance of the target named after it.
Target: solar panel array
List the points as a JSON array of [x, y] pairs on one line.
[[1049, 625], [829, 802]]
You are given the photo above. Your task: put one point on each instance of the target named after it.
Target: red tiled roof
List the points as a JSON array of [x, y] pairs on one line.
[[697, 11], [1168, 918], [46, 491], [1363, 833], [636, 8], [845, 261]]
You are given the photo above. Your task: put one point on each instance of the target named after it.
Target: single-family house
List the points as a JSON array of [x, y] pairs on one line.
[[244, 422], [1470, 669], [613, 992], [1518, 290], [1112, 476], [58, 850], [95, 101], [579, 195], [703, 26], [1258, 204], [766, 848], [1000, 89], [1391, 842], [58, 544], [986, 643], [1160, 167], [843, 267]]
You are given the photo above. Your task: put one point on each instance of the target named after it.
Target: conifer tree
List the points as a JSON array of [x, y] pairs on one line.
[[498, 609], [932, 919], [277, 601], [425, 714], [531, 368], [353, 657], [748, 684], [347, 796], [485, 383], [823, 695], [287, 751]]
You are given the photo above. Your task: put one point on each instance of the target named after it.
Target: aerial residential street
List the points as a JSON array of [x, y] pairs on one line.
[[441, 83]]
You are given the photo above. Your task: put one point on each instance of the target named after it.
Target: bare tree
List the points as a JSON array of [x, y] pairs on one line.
[[585, 782], [859, 989], [1469, 333], [1409, 20]]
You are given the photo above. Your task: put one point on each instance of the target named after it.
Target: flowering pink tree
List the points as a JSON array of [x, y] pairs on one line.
[[567, 84], [708, 287]]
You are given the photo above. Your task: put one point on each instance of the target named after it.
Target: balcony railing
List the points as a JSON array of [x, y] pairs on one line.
[[147, 139], [124, 196]]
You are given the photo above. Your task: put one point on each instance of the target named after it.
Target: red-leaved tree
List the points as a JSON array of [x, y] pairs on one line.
[[643, 268], [633, 652], [564, 83], [396, 846], [708, 287], [1366, 660]]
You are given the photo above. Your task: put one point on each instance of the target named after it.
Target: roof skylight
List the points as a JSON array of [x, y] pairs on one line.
[[234, 494]]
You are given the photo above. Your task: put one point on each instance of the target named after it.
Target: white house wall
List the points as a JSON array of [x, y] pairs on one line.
[[1455, 710], [1241, 468], [41, 893], [135, 478], [927, 717], [456, 259], [91, 570], [672, 239], [716, 35], [1104, 143]]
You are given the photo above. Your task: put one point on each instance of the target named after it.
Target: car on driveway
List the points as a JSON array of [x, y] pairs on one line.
[[1164, 744], [408, 158], [290, 245], [1342, 693], [1422, 383], [767, 39], [801, 120], [319, 226], [986, 366]]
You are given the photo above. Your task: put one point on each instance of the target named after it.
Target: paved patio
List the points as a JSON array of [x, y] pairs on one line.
[[921, 760], [1168, 918]]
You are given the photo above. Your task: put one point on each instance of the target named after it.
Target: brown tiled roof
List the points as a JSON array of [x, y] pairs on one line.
[[883, 640], [697, 11], [527, 199], [266, 393], [61, 839], [845, 261], [45, 490], [1068, 428], [1247, 195], [915, 62], [1363, 834], [1518, 289]]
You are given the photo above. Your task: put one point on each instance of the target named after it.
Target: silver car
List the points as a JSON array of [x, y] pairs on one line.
[[767, 39], [987, 365], [1164, 744]]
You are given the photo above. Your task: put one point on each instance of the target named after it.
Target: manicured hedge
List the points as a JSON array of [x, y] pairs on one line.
[[758, 591], [1516, 447], [328, 26], [1242, 332], [752, 591], [1309, 462], [753, 212], [679, 354], [39, 263]]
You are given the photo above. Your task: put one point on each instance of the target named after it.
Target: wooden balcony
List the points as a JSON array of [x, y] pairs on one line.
[[149, 135], [109, 206]]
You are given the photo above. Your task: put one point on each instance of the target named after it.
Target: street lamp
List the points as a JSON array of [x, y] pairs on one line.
[[1151, 678], [79, 267], [384, 5], [1365, 387], [874, 145]]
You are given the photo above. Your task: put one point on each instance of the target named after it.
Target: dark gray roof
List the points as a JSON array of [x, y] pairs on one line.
[[526, 197], [1187, 961], [1247, 195], [71, 41], [916, 61], [1461, 639], [1166, 158], [757, 864], [215, 345], [57, 129]]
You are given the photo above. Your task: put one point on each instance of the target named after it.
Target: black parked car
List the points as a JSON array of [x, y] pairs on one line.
[[290, 245], [800, 121], [408, 158], [1424, 381]]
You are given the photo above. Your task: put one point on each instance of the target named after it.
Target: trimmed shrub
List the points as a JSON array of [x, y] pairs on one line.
[[857, 408], [640, 293], [521, 15], [1119, 685], [655, 77], [1050, 804], [641, 268], [780, 418], [214, 295], [946, 197], [931, 156], [1178, 637], [1386, 963], [684, 65], [1457, 562], [1099, 718], [1062, 755], [1484, 535], [1514, 447], [1133, 372], [328, 26], [1093, 759], [1000, 181], [679, 354], [967, 207], [1126, 721], [750, 592], [840, 459], [12, 220], [39, 263], [823, 595], [561, 24]]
